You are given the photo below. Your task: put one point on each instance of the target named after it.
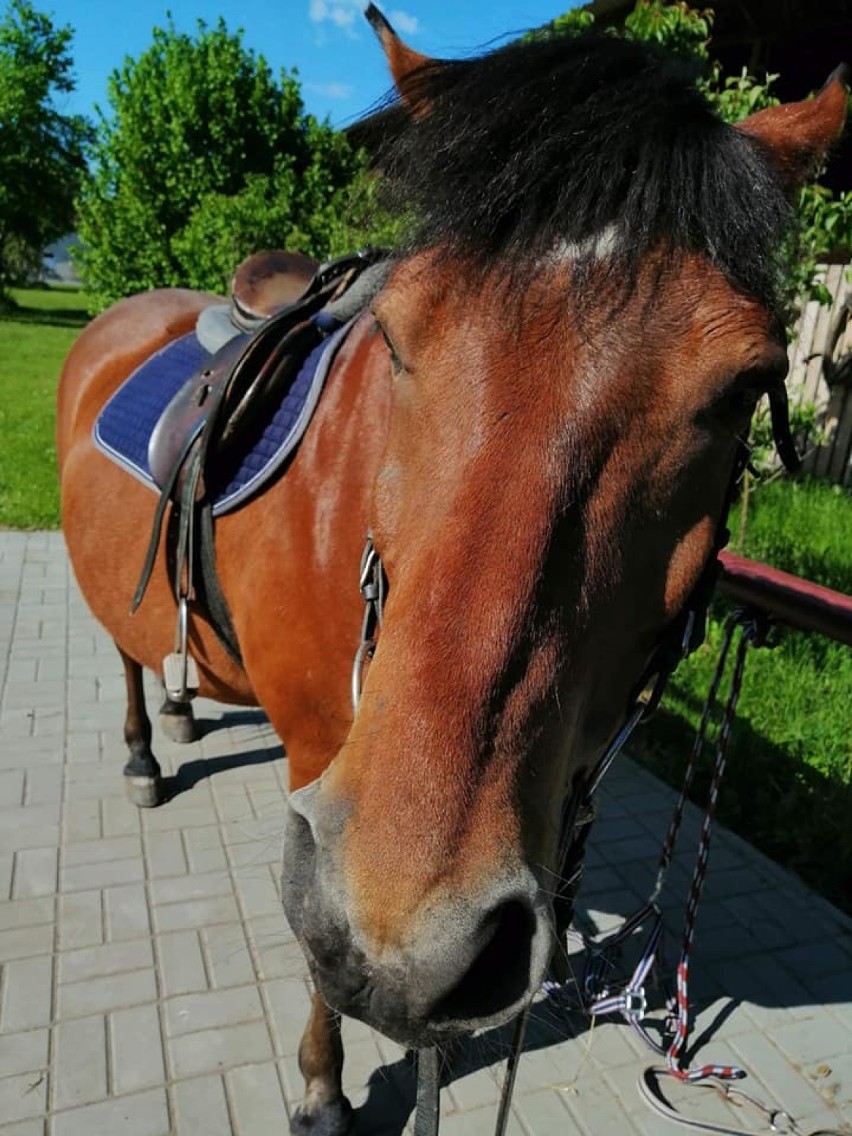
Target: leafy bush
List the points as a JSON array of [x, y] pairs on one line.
[[204, 157], [41, 149], [674, 26]]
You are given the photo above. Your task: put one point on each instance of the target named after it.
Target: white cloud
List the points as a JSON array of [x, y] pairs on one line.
[[341, 13], [344, 13], [404, 22], [332, 90]]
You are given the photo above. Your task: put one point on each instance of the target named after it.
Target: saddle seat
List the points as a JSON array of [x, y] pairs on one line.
[[268, 281]]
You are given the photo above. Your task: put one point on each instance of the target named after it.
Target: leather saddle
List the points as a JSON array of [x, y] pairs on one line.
[[265, 284], [273, 295], [268, 281]]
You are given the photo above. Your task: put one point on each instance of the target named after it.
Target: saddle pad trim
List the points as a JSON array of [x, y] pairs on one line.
[[324, 354]]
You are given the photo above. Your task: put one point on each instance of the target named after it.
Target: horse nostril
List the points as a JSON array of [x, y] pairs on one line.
[[500, 974]]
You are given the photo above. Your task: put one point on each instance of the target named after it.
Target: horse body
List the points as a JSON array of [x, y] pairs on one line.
[[287, 561], [106, 514], [541, 444]]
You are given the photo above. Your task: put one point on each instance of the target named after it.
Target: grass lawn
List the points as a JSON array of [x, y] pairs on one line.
[[35, 337], [788, 785]]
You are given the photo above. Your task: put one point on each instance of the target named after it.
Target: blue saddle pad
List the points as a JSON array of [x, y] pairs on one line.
[[124, 426]]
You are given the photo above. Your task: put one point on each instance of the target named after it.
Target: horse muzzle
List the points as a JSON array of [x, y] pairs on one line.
[[463, 962]]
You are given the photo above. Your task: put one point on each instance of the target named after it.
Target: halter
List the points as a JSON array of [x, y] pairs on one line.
[[684, 635]]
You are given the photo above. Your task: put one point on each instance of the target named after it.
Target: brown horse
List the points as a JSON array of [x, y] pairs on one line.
[[537, 420]]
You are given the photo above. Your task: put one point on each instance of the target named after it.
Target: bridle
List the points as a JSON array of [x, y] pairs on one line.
[[372, 583], [684, 635], [578, 811]]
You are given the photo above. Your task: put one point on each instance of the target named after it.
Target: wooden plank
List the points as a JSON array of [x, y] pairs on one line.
[[833, 460], [802, 347], [837, 288], [834, 410], [832, 426], [799, 353], [813, 370], [837, 468]]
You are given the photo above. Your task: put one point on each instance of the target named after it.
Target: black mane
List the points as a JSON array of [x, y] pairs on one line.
[[543, 143]]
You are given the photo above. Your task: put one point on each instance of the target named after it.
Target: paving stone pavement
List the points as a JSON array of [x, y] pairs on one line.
[[150, 984]]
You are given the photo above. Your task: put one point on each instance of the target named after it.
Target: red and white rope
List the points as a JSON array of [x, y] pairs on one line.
[[630, 1000]]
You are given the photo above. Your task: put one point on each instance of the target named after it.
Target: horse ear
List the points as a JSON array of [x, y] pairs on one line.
[[403, 60], [797, 136]]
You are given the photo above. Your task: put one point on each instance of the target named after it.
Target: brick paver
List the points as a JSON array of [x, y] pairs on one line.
[[149, 983]]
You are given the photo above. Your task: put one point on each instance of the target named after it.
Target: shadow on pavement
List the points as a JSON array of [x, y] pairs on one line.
[[191, 772]]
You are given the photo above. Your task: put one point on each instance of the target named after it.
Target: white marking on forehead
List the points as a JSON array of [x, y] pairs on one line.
[[597, 247]]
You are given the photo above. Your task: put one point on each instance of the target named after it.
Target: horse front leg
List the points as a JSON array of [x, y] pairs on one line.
[[325, 1111], [143, 779]]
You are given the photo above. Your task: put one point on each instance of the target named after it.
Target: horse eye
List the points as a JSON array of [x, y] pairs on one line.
[[744, 398], [751, 385], [396, 363]]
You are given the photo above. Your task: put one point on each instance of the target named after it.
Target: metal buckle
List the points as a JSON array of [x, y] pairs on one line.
[[635, 1004], [368, 564], [371, 583], [781, 1122]]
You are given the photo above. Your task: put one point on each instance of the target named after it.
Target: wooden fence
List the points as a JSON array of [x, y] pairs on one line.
[[830, 454]]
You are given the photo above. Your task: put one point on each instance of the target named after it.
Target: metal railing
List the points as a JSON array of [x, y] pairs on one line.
[[787, 598]]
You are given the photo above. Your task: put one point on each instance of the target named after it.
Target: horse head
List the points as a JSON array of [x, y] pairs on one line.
[[573, 343]]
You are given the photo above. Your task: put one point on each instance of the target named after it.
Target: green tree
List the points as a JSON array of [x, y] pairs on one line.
[[41, 149], [674, 25], [572, 23], [205, 157]]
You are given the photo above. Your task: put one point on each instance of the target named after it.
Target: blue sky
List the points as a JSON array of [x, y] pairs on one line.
[[340, 65]]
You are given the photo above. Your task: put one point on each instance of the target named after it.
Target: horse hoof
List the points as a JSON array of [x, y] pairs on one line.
[[335, 1119], [179, 726], [144, 792]]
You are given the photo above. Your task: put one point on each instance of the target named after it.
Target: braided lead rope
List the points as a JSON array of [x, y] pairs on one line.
[[748, 634], [511, 1072], [776, 1120], [630, 1002], [697, 749]]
